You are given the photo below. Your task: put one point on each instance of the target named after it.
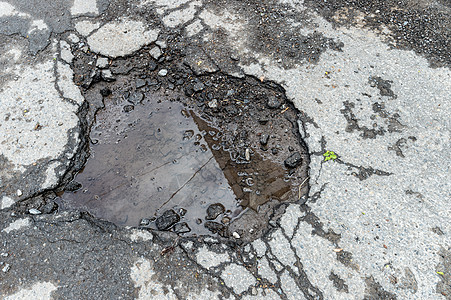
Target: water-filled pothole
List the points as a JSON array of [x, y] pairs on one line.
[[160, 158], [191, 154]]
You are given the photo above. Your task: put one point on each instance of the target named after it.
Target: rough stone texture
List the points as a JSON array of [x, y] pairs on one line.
[[121, 38], [36, 124], [141, 274], [83, 7], [167, 220], [7, 202], [237, 277], [265, 271], [178, 17], [86, 27], [66, 53], [290, 288], [208, 259]]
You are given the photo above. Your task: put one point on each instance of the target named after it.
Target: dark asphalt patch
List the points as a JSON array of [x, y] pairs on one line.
[[423, 26]]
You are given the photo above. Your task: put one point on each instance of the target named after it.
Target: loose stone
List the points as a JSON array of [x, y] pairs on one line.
[[107, 75], [254, 291], [163, 72], [34, 211], [213, 103], [105, 92], [216, 228], [6, 268], [273, 102], [144, 222], [102, 62], [167, 220], [264, 139], [199, 86], [49, 207], [128, 108], [73, 186], [136, 98], [155, 52], [293, 160], [181, 228], [140, 83], [214, 210]]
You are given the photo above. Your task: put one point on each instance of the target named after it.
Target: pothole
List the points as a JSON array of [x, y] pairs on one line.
[[197, 155]]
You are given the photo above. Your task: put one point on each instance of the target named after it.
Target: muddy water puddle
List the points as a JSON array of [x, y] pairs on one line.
[[160, 165]]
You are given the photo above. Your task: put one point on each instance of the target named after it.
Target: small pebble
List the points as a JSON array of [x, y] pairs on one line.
[[144, 222], [213, 103], [128, 108], [161, 44], [236, 235], [273, 102], [107, 75], [199, 86], [163, 72], [19, 193], [264, 139], [140, 83], [34, 211], [247, 154], [155, 52], [102, 62], [293, 160], [254, 291], [6, 268]]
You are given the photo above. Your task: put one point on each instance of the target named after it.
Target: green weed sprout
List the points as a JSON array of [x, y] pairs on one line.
[[329, 155]]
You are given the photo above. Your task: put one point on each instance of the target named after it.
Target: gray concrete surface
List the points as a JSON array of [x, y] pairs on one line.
[[372, 82]]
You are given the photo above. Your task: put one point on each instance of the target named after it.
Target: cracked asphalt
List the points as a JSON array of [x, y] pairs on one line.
[[370, 81]]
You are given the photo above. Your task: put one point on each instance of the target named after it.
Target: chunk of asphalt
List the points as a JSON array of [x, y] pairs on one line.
[[215, 227], [102, 62], [293, 160], [214, 210], [273, 102], [264, 139], [155, 52], [181, 228], [167, 220], [199, 86]]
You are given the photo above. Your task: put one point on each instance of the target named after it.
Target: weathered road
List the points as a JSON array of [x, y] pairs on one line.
[[371, 81]]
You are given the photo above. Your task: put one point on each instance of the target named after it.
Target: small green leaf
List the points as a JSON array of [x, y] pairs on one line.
[[329, 155], [441, 273]]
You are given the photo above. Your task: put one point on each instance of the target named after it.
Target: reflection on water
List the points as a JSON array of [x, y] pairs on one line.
[[157, 156]]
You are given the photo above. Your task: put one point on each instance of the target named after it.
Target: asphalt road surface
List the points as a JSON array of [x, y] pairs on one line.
[[369, 86]]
